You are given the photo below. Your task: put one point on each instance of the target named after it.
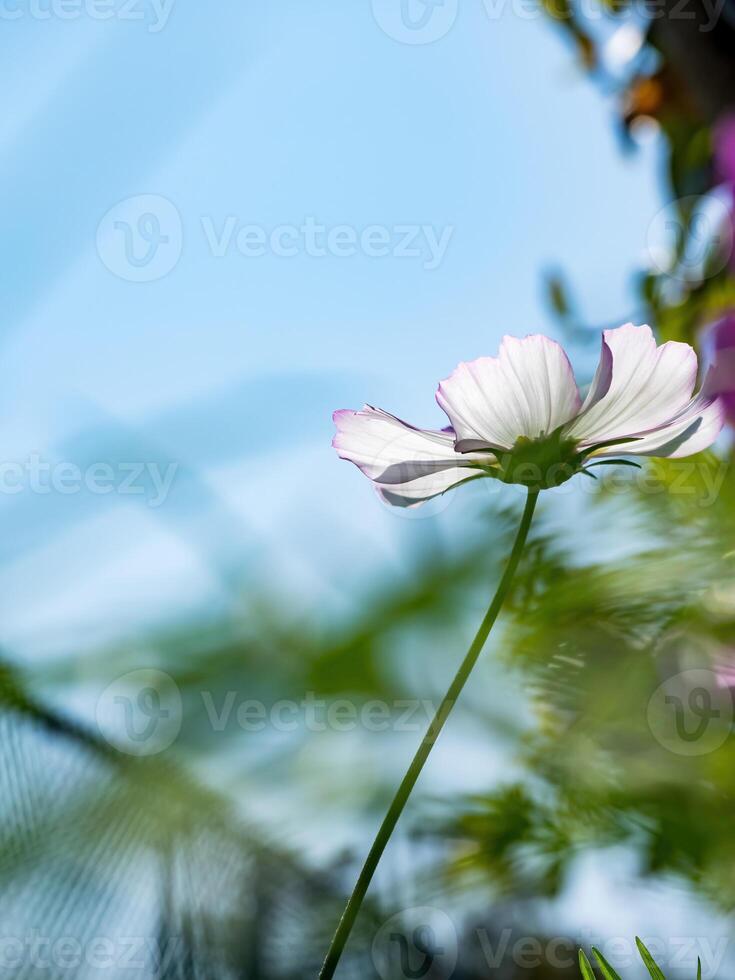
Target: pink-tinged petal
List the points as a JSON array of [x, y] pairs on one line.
[[695, 428], [425, 488], [528, 390], [649, 386], [406, 464], [381, 444], [602, 379]]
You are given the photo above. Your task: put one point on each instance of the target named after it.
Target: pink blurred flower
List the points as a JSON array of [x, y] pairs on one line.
[[724, 149], [721, 379], [724, 669], [724, 140]]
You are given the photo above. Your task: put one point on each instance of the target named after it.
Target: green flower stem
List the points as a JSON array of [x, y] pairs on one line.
[[409, 780]]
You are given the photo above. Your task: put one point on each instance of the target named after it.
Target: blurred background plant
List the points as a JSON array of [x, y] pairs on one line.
[[190, 796]]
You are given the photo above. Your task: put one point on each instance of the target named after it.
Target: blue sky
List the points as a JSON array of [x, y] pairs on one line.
[[254, 115]]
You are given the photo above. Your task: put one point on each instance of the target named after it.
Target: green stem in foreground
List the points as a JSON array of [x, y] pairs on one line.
[[409, 780]]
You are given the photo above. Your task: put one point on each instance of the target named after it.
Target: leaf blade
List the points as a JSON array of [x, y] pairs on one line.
[[607, 971], [651, 964], [584, 966]]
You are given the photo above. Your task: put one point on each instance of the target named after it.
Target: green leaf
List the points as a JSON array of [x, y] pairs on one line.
[[699, 969], [584, 966], [649, 961], [617, 462], [607, 971], [608, 442]]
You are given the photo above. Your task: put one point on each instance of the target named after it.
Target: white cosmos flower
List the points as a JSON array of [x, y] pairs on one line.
[[519, 417]]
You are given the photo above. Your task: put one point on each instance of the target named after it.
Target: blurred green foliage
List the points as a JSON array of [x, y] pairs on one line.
[[589, 639], [594, 642]]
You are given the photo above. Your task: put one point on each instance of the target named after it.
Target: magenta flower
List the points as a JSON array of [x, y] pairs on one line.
[[724, 147], [519, 417], [721, 380], [724, 139]]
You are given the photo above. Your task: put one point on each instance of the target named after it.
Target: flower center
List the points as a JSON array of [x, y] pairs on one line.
[[541, 463]]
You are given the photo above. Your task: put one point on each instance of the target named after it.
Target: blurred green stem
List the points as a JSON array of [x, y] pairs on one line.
[[409, 780]]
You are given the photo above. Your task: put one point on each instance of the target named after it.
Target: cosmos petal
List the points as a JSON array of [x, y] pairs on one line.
[[528, 390], [406, 464], [694, 429], [425, 488], [602, 379], [648, 387]]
